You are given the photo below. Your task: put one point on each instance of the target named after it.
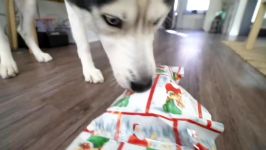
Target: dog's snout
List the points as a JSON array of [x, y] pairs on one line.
[[141, 85]]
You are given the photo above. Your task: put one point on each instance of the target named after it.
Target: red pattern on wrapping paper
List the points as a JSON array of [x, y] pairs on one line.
[[151, 94], [161, 67], [179, 69], [200, 147], [177, 137], [121, 146], [200, 110], [88, 131], [178, 72], [133, 139], [170, 87], [85, 146], [128, 93], [170, 119], [118, 126], [209, 124]]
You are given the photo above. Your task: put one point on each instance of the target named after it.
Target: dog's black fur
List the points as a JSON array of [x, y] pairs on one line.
[[88, 4], [170, 3]]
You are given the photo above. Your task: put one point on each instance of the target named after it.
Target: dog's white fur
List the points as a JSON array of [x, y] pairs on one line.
[[130, 50], [8, 66]]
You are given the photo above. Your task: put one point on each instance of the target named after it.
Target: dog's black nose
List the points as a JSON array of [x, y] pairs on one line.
[[141, 86]]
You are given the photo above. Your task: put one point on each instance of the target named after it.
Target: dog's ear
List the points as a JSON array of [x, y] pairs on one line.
[[88, 4], [169, 3]]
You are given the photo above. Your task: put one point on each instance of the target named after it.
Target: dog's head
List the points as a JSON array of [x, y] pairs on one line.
[[126, 29]]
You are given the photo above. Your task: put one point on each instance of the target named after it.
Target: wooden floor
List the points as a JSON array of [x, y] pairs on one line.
[[47, 105], [256, 56]]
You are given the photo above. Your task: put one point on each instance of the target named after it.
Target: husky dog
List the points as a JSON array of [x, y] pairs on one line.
[[125, 28]]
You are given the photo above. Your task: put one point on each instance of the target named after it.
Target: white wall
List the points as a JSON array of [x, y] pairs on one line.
[[188, 21], [234, 31], [236, 15], [181, 9], [52, 9], [47, 9], [264, 24], [192, 21], [2, 13], [215, 6]]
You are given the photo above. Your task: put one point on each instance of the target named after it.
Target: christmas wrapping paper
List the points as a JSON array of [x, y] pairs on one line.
[[166, 117]]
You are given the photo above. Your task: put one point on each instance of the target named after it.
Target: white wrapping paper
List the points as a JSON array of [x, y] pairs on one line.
[[166, 117]]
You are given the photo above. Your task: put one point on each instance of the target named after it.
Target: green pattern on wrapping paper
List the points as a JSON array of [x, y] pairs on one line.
[[122, 102], [170, 107], [150, 149], [160, 71], [98, 141], [175, 76]]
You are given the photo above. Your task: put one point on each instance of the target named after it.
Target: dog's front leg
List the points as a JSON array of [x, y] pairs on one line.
[[8, 67], [27, 9], [79, 31]]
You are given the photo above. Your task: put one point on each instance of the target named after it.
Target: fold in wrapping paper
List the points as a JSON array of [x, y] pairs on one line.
[[164, 117]]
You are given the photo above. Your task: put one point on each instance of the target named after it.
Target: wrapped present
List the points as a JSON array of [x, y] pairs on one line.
[[166, 117]]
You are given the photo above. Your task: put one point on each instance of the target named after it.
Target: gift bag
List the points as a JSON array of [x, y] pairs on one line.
[[166, 117]]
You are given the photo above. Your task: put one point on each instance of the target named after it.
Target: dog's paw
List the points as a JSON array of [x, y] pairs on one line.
[[43, 57], [93, 76], [8, 68]]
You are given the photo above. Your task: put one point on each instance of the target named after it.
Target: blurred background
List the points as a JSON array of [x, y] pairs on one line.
[[229, 17]]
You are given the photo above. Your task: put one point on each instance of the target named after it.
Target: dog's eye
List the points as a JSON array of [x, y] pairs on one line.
[[156, 22], [112, 21]]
